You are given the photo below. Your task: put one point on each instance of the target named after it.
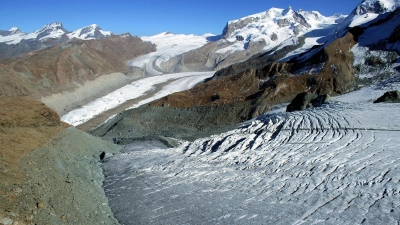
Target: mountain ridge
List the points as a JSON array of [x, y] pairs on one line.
[[14, 42], [240, 40]]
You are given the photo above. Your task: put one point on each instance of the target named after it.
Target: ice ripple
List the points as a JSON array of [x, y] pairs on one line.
[[336, 164]]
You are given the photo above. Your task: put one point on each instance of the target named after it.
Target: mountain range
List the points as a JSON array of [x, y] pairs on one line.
[[270, 122], [14, 42]]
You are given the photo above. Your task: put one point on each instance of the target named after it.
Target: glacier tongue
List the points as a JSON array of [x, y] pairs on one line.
[[337, 164]]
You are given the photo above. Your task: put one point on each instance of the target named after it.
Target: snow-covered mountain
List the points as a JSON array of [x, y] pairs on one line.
[[275, 26], [376, 6], [240, 40], [14, 42], [369, 10], [90, 32], [52, 31]]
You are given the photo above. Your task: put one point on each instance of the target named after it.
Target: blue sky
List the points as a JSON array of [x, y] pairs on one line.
[[150, 17]]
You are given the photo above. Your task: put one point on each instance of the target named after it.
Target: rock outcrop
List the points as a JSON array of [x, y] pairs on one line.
[[391, 96], [306, 100]]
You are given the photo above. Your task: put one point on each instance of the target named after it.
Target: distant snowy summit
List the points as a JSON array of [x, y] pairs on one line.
[[276, 25], [90, 32], [52, 31], [376, 6], [368, 10]]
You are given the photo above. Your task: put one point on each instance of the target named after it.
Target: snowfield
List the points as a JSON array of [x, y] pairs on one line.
[[337, 164], [168, 45]]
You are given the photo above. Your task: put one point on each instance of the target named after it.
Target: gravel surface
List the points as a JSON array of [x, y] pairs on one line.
[[64, 182]]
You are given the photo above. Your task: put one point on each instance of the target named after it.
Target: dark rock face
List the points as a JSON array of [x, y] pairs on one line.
[[239, 38], [283, 23], [300, 19], [231, 27], [274, 37], [390, 96], [395, 36], [296, 30], [306, 100]]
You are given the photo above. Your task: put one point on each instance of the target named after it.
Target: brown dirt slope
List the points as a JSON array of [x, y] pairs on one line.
[[57, 68], [25, 124], [49, 172]]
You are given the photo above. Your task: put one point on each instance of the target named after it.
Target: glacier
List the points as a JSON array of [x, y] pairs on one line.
[[337, 164]]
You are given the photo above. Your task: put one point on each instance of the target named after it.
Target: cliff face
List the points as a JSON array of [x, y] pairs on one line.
[[58, 68]]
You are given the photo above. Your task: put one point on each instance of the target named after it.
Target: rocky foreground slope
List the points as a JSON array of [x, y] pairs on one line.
[[49, 172]]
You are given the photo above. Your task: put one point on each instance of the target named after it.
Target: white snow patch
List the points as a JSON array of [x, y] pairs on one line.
[[359, 20]]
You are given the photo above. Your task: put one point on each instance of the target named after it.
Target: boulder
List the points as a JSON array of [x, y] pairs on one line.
[[390, 96], [306, 100], [239, 38]]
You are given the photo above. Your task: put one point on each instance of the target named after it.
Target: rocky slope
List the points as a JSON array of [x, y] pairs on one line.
[[67, 66], [327, 69], [15, 42], [49, 173]]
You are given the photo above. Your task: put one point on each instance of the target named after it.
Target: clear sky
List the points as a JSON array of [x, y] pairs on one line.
[[150, 17]]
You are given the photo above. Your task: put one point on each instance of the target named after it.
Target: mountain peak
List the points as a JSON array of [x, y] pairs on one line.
[[92, 31], [53, 26], [90, 28], [94, 26], [368, 10], [288, 11], [15, 30], [376, 6]]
